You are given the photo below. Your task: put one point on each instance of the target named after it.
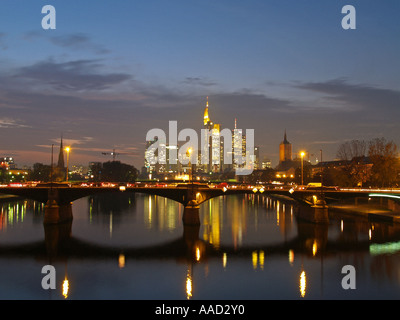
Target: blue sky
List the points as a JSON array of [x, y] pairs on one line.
[[112, 70]]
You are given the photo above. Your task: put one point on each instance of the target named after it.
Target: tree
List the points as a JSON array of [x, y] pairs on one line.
[[352, 149], [354, 171], [40, 172], [95, 171], [384, 158], [115, 171], [2, 174], [264, 175]]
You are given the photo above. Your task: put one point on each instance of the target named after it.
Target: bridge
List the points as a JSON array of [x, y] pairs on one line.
[[58, 197]]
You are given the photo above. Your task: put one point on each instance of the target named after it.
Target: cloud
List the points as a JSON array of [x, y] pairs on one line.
[[78, 75], [324, 142], [74, 142], [78, 41], [199, 81], [11, 123], [74, 41], [354, 97]]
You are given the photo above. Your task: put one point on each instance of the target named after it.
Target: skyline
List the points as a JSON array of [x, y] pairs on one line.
[[109, 73]]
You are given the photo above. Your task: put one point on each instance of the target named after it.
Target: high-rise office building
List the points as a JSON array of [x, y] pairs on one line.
[[256, 158], [213, 146]]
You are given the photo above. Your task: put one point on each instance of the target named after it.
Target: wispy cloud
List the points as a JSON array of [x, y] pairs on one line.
[[324, 142], [73, 41], [78, 41], [78, 75], [199, 81], [355, 97], [11, 123]]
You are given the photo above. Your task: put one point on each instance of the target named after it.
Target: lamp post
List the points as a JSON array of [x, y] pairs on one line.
[[322, 179], [51, 168], [189, 151], [302, 154], [68, 149]]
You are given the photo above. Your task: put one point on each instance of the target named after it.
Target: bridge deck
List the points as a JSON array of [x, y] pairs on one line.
[[183, 193]]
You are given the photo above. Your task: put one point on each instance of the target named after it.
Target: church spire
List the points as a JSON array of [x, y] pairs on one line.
[[285, 150], [285, 139], [61, 155]]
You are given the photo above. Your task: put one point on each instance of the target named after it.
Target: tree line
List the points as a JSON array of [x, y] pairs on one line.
[[111, 171], [373, 163], [360, 163]]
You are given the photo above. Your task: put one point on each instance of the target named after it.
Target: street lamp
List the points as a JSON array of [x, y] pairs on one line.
[[302, 154], [68, 149], [189, 151]]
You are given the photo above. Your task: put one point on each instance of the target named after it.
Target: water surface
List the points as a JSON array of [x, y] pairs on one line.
[[247, 247]]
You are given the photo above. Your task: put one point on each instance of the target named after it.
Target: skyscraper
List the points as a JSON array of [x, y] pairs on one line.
[[207, 121], [212, 145]]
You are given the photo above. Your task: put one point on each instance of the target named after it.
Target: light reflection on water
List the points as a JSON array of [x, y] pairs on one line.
[[247, 247]]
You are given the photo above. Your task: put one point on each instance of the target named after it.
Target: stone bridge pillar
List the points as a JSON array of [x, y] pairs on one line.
[[51, 209], [191, 214], [65, 212]]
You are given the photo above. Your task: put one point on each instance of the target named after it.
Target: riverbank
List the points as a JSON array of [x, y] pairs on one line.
[[374, 213]]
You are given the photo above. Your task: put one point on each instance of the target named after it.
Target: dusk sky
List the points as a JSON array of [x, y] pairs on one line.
[[113, 70]]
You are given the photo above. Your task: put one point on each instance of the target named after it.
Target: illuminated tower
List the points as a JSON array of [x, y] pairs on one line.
[[212, 144], [285, 150], [207, 120]]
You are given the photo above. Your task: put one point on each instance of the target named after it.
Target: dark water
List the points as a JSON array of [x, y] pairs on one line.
[[247, 247]]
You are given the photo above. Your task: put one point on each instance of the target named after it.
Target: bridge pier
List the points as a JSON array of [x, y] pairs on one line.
[[55, 213], [65, 212], [317, 213], [191, 214], [51, 209], [51, 212]]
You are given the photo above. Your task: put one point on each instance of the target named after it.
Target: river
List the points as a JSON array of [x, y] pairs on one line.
[[251, 247]]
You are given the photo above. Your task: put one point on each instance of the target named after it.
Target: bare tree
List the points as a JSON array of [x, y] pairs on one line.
[[352, 149], [354, 170], [384, 158]]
